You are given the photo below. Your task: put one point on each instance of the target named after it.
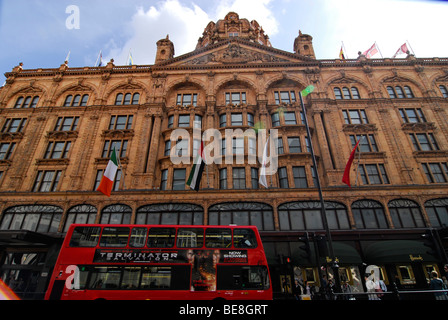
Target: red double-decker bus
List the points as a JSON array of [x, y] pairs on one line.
[[161, 262]]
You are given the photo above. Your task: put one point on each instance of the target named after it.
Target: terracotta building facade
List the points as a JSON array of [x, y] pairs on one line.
[[59, 126]]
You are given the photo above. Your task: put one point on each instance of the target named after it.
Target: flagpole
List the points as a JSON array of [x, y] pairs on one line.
[[96, 63], [345, 50], [379, 50], [410, 47], [334, 264], [122, 170], [359, 158]]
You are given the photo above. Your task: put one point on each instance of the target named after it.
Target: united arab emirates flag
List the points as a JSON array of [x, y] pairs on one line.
[[107, 181], [196, 172]]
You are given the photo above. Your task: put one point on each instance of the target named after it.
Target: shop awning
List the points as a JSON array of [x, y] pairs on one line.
[[25, 238], [346, 254], [396, 251]]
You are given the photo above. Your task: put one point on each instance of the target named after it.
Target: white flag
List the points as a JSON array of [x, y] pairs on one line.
[[262, 179], [401, 50]]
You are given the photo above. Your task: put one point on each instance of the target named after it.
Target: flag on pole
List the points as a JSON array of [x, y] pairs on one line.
[[130, 59], [262, 180], [341, 54], [346, 177], [194, 180], [67, 57], [100, 59], [107, 181], [401, 50], [372, 51]]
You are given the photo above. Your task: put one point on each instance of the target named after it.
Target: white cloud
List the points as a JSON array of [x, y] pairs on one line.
[[389, 23], [184, 24]]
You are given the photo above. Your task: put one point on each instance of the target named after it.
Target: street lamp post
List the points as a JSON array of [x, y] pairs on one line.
[[334, 264]]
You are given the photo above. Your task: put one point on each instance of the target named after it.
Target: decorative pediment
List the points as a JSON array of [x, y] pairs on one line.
[[236, 51]]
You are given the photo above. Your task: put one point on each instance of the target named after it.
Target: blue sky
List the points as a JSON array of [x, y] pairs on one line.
[[35, 32]]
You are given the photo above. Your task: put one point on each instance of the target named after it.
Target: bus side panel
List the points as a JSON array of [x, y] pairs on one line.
[[57, 289]]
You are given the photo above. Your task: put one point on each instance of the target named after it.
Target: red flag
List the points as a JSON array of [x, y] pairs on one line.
[[401, 50], [372, 51], [346, 177]]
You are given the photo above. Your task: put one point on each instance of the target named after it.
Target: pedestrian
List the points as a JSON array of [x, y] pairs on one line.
[[437, 284], [370, 285], [297, 289], [347, 290]]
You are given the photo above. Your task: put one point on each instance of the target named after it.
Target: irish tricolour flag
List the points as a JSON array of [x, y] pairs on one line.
[[196, 172], [107, 181]]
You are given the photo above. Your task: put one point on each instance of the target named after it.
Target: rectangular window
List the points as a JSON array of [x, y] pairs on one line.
[[99, 176], [66, 124], [367, 144], [238, 146], [357, 116], [283, 177], [412, 115], [114, 237], [14, 125], [424, 141], [187, 99], [235, 97], [190, 237], [57, 150], [280, 149], [373, 174], [254, 177], [121, 122], [237, 119], [184, 121], [287, 97], [179, 179], [120, 147], [164, 179], [290, 117], [294, 145], [6, 150], [170, 121], [436, 172], [46, 181], [223, 178], [223, 121], [275, 120], [299, 177], [239, 178], [218, 238]]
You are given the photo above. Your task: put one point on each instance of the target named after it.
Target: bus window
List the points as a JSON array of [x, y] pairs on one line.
[[242, 278], [114, 237], [244, 238], [218, 238], [138, 237], [85, 237], [161, 237], [104, 278], [131, 278], [190, 237]]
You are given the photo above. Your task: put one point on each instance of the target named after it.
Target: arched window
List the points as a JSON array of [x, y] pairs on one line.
[[242, 214], [406, 214], [37, 218], [437, 211], [172, 213], [76, 100], [443, 91], [84, 100], [337, 93], [306, 215], [116, 214], [119, 99], [127, 99], [28, 102], [83, 213], [369, 214], [135, 98]]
